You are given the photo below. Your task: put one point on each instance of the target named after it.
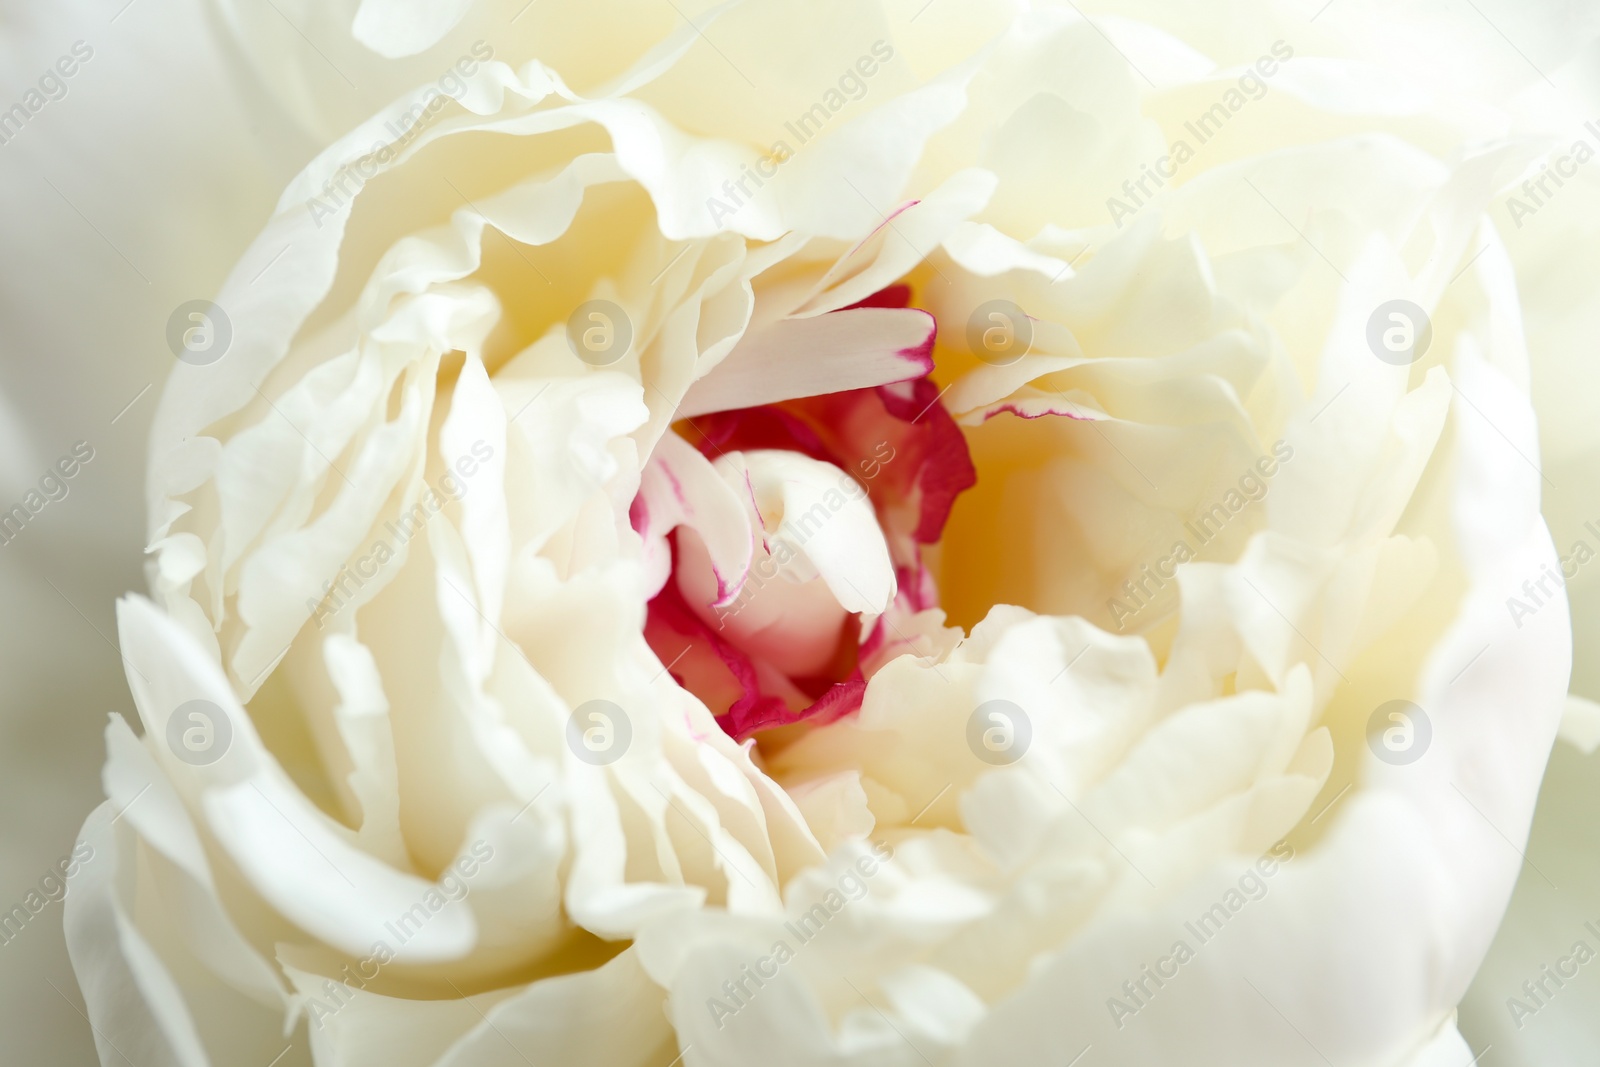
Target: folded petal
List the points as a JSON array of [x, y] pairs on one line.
[[850, 349]]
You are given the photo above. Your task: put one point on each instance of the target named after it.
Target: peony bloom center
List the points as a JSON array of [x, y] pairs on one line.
[[786, 543], [819, 558]]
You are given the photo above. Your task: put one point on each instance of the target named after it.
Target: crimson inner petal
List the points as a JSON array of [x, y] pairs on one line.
[[729, 682]]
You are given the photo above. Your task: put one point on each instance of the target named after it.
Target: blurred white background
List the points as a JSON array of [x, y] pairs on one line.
[[120, 200]]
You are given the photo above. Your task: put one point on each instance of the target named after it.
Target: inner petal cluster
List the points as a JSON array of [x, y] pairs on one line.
[[786, 545]]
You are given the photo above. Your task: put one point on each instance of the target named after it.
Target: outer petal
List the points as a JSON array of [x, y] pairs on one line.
[[135, 1007]]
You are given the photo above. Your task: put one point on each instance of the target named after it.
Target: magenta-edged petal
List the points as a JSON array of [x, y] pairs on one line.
[[718, 666], [839, 700], [1041, 407], [745, 696], [944, 465], [679, 487], [856, 348]]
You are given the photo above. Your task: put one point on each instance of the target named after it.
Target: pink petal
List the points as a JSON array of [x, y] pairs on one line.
[[945, 467], [731, 682]]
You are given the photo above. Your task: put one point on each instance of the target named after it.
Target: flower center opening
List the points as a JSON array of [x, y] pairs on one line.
[[787, 545]]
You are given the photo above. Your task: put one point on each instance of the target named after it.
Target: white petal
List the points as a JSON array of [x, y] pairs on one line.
[[681, 487], [298, 859], [134, 1004], [851, 349], [825, 518]]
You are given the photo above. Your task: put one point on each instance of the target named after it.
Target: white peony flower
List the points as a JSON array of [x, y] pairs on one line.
[[838, 535]]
